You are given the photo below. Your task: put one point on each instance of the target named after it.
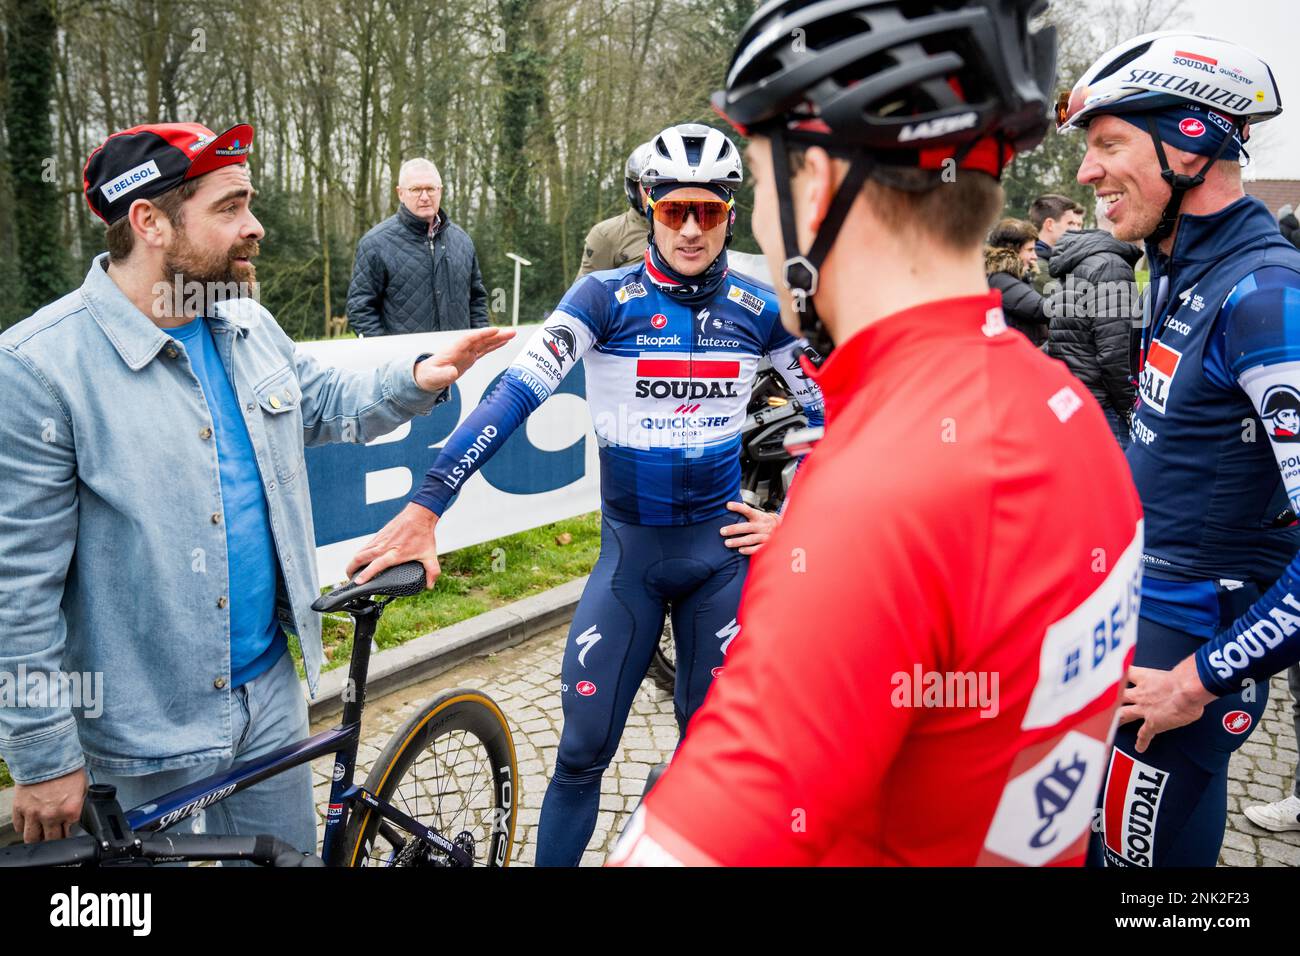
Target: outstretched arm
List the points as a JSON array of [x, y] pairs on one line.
[[548, 357]]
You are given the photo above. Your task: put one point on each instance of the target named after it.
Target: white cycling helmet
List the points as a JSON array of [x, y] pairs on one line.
[[632, 174], [692, 154], [1167, 69]]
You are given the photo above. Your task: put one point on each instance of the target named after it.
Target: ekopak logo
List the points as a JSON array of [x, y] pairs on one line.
[[659, 320], [586, 688], [1192, 127]]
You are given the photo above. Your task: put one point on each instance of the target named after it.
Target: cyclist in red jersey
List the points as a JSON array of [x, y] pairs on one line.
[[934, 638]]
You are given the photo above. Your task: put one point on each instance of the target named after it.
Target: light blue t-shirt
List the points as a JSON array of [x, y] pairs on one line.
[[256, 641]]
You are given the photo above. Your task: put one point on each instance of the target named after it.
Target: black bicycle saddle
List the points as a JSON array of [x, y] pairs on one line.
[[401, 580]]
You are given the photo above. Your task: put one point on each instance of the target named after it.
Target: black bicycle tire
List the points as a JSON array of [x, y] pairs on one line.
[[460, 709], [662, 672]]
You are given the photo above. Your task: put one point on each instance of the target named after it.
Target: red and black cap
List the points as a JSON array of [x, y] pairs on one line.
[[147, 161]]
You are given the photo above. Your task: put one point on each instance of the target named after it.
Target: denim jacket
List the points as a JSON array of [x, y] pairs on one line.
[[113, 561]]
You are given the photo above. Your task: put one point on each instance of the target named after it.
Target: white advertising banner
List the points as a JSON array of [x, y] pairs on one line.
[[548, 469]]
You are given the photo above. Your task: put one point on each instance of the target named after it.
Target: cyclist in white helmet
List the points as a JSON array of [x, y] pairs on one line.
[[1167, 117], [669, 346], [620, 239]]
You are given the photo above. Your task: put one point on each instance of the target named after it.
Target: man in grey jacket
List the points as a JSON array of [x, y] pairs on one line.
[[156, 533], [416, 271]]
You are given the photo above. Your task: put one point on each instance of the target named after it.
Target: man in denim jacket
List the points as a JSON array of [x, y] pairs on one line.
[[155, 525]]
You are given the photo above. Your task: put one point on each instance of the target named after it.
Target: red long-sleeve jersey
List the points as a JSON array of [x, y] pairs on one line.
[[932, 643]]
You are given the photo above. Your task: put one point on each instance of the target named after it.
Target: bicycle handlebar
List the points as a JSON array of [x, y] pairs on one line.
[[157, 848]]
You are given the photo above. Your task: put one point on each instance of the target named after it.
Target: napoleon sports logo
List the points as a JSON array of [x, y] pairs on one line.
[[1158, 375], [1131, 809]]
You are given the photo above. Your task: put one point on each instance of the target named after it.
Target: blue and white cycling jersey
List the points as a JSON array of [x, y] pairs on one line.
[[667, 386], [1216, 442]]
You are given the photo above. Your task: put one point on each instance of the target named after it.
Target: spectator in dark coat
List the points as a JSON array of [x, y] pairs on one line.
[[1092, 312], [416, 271], [1009, 261], [1289, 225], [1053, 216]]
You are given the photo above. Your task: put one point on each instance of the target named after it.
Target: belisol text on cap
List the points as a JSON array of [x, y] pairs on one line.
[[130, 179]]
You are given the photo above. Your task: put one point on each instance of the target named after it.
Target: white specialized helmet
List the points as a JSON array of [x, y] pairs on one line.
[[692, 153], [632, 174], [1163, 69]]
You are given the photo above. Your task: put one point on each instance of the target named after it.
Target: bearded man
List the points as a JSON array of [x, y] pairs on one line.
[[155, 525]]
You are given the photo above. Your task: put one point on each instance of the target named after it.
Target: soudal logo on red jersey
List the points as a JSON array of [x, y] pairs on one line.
[[1236, 722], [1158, 375], [686, 378], [1131, 810]]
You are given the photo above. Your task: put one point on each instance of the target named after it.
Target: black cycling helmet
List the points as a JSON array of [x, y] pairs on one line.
[[887, 84]]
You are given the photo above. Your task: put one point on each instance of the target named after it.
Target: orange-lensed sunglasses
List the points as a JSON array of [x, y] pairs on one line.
[[673, 213]]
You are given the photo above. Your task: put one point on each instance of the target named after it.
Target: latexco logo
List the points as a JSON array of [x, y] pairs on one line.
[[75, 909]]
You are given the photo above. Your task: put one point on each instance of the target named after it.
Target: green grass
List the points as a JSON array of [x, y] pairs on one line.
[[474, 580]]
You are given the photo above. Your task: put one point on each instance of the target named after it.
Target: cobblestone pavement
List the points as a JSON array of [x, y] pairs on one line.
[[524, 681], [1262, 771]]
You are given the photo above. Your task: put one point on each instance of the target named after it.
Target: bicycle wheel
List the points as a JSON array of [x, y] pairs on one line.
[[452, 768], [663, 666]]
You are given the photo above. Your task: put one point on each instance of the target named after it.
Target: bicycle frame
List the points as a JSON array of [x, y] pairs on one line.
[[183, 802]]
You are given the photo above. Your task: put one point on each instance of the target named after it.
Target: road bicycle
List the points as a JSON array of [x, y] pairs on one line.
[[442, 793]]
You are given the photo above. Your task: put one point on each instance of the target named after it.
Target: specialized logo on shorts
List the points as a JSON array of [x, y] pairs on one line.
[[1280, 411], [1236, 722], [1192, 127], [633, 290], [728, 634], [1131, 809], [746, 299], [658, 320], [1045, 810], [1158, 376], [585, 687], [586, 640]]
